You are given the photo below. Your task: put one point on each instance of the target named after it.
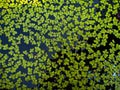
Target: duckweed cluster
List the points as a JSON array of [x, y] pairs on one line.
[[59, 44]]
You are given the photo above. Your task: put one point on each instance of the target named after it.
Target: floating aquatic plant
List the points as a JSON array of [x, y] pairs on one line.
[[59, 44]]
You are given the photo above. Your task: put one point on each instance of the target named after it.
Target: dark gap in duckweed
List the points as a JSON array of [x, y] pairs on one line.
[[74, 51], [64, 35], [60, 20], [88, 63], [70, 21], [23, 46], [88, 83], [0, 76], [56, 10], [51, 79], [56, 59], [44, 47], [62, 6], [115, 27], [52, 17], [46, 35], [116, 52], [54, 31], [46, 72], [79, 18], [110, 87], [100, 82], [33, 21], [97, 9], [9, 56], [56, 4], [65, 76], [53, 69], [4, 51], [50, 55], [90, 40], [69, 87], [102, 71], [20, 31], [27, 58], [27, 11], [4, 89], [62, 63], [55, 88], [110, 2], [84, 50], [5, 13], [102, 48], [80, 38], [118, 16], [103, 12], [2, 25], [22, 69], [32, 29], [59, 44], [4, 39], [96, 1], [1, 11], [14, 88], [14, 80], [29, 83], [107, 47], [76, 5], [113, 37], [63, 56]]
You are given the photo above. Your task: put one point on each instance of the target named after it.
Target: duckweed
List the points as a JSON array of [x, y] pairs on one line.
[[59, 44]]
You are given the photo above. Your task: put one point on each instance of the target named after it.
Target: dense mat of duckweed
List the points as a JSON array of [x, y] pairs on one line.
[[59, 44]]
